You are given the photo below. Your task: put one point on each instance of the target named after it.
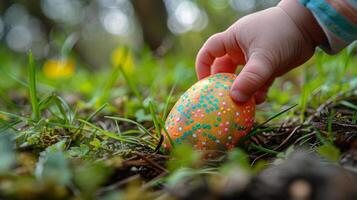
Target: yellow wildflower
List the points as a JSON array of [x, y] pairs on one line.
[[59, 68], [123, 57]]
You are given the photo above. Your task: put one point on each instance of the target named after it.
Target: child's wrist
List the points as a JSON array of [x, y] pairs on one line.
[[304, 20]]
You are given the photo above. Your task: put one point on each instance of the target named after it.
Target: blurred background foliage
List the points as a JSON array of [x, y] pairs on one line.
[[161, 25], [77, 45]]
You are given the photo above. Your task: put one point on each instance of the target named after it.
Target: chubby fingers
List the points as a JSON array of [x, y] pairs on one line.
[[258, 71], [223, 64], [216, 46], [261, 95]]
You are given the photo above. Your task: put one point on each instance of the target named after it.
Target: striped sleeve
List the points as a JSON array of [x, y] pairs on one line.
[[338, 19]]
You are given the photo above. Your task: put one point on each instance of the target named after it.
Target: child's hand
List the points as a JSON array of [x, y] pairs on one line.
[[270, 43]]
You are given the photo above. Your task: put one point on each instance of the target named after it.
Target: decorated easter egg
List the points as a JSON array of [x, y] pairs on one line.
[[206, 116]]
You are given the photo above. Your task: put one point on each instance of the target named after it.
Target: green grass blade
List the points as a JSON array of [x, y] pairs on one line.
[[65, 109], [106, 133], [354, 117], [329, 122], [91, 116], [263, 149], [131, 84], [256, 129], [166, 108], [16, 79], [13, 115], [46, 102], [319, 136], [348, 104], [32, 88], [108, 87], [8, 125], [154, 119], [277, 115], [127, 78], [133, 140], [128, 132], [167, 134], [133, 122]]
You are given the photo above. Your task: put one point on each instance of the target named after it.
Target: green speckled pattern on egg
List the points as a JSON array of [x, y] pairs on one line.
[[206, 116]]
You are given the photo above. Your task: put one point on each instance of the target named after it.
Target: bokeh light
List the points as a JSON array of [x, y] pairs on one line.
[[24, 31], [243, 5], [219, 4], [16, 14], [117, 17], [268, 3], [19, 38], [43, 25], [38, 36], [187, 13], [116, 22], [113, 3], [185, 16], [65, 11]]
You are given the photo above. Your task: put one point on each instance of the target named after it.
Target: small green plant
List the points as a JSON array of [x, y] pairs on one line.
[[329, 151]]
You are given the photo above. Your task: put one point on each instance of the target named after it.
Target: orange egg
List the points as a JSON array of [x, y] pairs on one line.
[[206, 117]]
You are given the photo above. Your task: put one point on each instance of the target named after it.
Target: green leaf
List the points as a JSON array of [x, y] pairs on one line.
[[239, 157], [80, 151], [95, 142], [141, 116], [329, 151], [59, 146], [183, 156], [114, 195], [179, 175], [236, 158], [260, 166], [286, 154], [53, 165], [90, 176], [282, 156]]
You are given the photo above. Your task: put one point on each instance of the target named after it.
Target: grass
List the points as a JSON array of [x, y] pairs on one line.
[[259, 128], [113, 129], [32, 88]]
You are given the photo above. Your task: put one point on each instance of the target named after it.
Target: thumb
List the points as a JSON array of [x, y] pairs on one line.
[[255, 74]]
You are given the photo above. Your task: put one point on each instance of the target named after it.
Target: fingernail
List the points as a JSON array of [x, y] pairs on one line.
[[239, 96]]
